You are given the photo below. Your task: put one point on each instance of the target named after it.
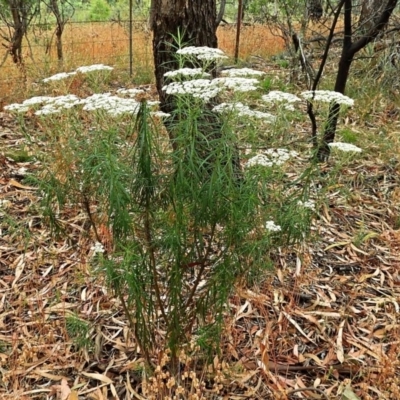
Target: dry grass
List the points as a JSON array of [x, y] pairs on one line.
[[108, 43]]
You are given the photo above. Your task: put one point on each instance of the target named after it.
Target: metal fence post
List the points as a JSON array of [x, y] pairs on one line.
[[130, 38], [238, 24]]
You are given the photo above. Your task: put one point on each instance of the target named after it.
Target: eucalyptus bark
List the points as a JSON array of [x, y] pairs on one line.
[[196, 23]]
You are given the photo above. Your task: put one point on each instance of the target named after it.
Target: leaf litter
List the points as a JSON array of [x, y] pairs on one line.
[[322, 325]]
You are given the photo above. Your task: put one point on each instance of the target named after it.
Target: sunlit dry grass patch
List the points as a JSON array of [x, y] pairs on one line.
[[254, 40], [108, 43], [83, 44]]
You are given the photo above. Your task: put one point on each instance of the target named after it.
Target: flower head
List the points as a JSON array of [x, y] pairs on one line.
[[347, 147], [272, 227], [243, 111], [271, 157], [199, 88], [310, 204], [241, 72], [130, 92], [238, 84], [202, 53], [113, 105], [58, 77], [16, 107], [187, 72], [94, 67], [160, 114], [97, 248], [327, 96], [276, 96]]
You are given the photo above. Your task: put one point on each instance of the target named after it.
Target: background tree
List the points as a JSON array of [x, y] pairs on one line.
[[17, 16], [353, 42], [63, 10]]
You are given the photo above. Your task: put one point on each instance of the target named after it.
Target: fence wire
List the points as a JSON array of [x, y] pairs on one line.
[[87, 43]]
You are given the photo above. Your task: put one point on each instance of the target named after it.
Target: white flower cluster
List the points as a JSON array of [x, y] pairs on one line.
[[202, 53], [82, 70], [97, 248], [243, 111], [37, 100], [272, 227], [160, 114], [238, 84], [16, 107], [25, 105], [207, 89], [259, 159], [187, 72], [94, 67], [130, 92], [199, 88], [58, 77], [347, 147], [240, 72], [271, 157], [327, 96], [310, 204], [276, 96], [228, 107], [51, 105], [113, 105]]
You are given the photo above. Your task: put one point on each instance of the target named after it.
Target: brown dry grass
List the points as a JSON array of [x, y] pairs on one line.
[[108, 43]]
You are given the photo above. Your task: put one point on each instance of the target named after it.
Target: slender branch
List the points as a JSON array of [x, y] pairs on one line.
[[133, 327], [203, 266], [128, 314], [150, 249], [327, 46], [90, 216], [376, 29], [310, 110]]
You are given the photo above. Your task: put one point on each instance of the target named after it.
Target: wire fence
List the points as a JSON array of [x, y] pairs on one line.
[[87, 43]]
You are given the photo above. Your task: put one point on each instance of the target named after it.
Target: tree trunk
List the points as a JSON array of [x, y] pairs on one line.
[[19, 31], [349, 50], [59, 29], [370, 12], [195, 21], [221, 12]]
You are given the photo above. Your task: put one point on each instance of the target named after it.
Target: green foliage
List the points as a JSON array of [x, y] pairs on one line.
[[78, 330], [99, 11], [186, 221], [348, 135]]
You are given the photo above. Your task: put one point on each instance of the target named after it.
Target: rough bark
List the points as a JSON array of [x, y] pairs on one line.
[[194, 20]]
